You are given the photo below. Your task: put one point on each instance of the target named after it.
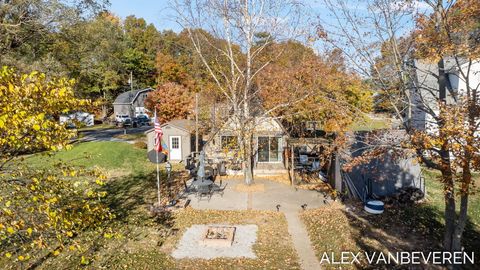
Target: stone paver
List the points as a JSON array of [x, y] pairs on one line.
[[290, 201]]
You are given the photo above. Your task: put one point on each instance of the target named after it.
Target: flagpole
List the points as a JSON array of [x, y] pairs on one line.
[[158, 166], [158, 181]]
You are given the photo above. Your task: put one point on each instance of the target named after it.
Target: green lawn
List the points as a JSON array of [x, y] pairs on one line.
[[436, 201], [145, 242], [106, 155], [369, 124]]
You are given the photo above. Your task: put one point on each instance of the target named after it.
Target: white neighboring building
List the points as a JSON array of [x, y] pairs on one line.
[[83, 117], [425, 88]]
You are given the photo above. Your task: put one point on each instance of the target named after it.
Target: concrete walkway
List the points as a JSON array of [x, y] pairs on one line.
[[301, 241], [289, 200]]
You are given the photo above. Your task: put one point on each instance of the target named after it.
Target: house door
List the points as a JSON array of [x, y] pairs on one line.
[[269, 149], [175, 148]]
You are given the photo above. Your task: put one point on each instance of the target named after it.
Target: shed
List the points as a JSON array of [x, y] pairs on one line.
[[131, 102], [178, 139], [385, 174]]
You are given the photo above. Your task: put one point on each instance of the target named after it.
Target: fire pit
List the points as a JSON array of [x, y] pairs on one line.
[[232, 241], [219, 236]]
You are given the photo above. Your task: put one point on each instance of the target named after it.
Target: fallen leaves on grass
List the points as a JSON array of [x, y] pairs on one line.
[[273, 248], [338, 228]]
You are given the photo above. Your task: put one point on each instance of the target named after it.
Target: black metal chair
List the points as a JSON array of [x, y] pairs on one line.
[[185, 186], [187, 189], [204, 191], [218, 188]]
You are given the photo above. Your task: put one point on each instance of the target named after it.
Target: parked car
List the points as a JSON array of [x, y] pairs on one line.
[[123, 120], [141, 120], [127, 122]]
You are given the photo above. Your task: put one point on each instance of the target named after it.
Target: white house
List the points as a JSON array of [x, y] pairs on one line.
[[269, 143], [425, 88]]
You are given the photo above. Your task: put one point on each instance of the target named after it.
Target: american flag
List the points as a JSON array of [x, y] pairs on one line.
[[158, 134]]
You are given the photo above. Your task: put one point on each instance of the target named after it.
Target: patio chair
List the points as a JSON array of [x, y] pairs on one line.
[[188, 188], [204, 191], [218, 188]]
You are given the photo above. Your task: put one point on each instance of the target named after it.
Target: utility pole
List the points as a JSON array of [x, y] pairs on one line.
[[213, 113], [131, 80], [104, 107], [132, 113], [196, 122]]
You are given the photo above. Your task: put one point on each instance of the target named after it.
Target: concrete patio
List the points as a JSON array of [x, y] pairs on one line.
[[289, 198]]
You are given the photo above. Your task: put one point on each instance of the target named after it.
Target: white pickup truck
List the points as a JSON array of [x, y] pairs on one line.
[[123, 120]]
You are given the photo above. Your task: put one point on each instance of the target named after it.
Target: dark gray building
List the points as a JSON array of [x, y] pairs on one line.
[[131, 103], [386, 174]]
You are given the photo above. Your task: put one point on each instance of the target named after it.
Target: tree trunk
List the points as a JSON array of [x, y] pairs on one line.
[[248, 171], [462, 221], [446, 168], [450, 214], [462, 217], [104, 108], [448, 186], [248, 161]]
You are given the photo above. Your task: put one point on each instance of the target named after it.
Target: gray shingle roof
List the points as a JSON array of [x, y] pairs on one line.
[[185, 124], [129, 96]]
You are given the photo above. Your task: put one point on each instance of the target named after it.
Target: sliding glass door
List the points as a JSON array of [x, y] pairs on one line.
[[269, 149], [274, 149], [263, 148]]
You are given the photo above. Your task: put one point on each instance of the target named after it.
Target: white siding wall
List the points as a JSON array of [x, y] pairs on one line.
[[427, 82]]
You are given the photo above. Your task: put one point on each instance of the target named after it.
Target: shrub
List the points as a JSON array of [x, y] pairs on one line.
[[140, 144]]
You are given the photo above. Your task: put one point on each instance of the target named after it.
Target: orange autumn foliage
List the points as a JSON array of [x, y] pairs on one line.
[[457, 34], [171, 101], [334, 97]]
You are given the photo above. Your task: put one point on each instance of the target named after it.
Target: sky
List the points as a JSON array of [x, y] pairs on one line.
[[159, 13], [153, 11]]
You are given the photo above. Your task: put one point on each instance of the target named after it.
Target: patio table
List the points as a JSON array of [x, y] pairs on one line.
[[203, 187], [202, 183]]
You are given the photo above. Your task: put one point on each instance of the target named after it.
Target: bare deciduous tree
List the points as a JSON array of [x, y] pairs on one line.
[[412, 51], [237, 33]]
